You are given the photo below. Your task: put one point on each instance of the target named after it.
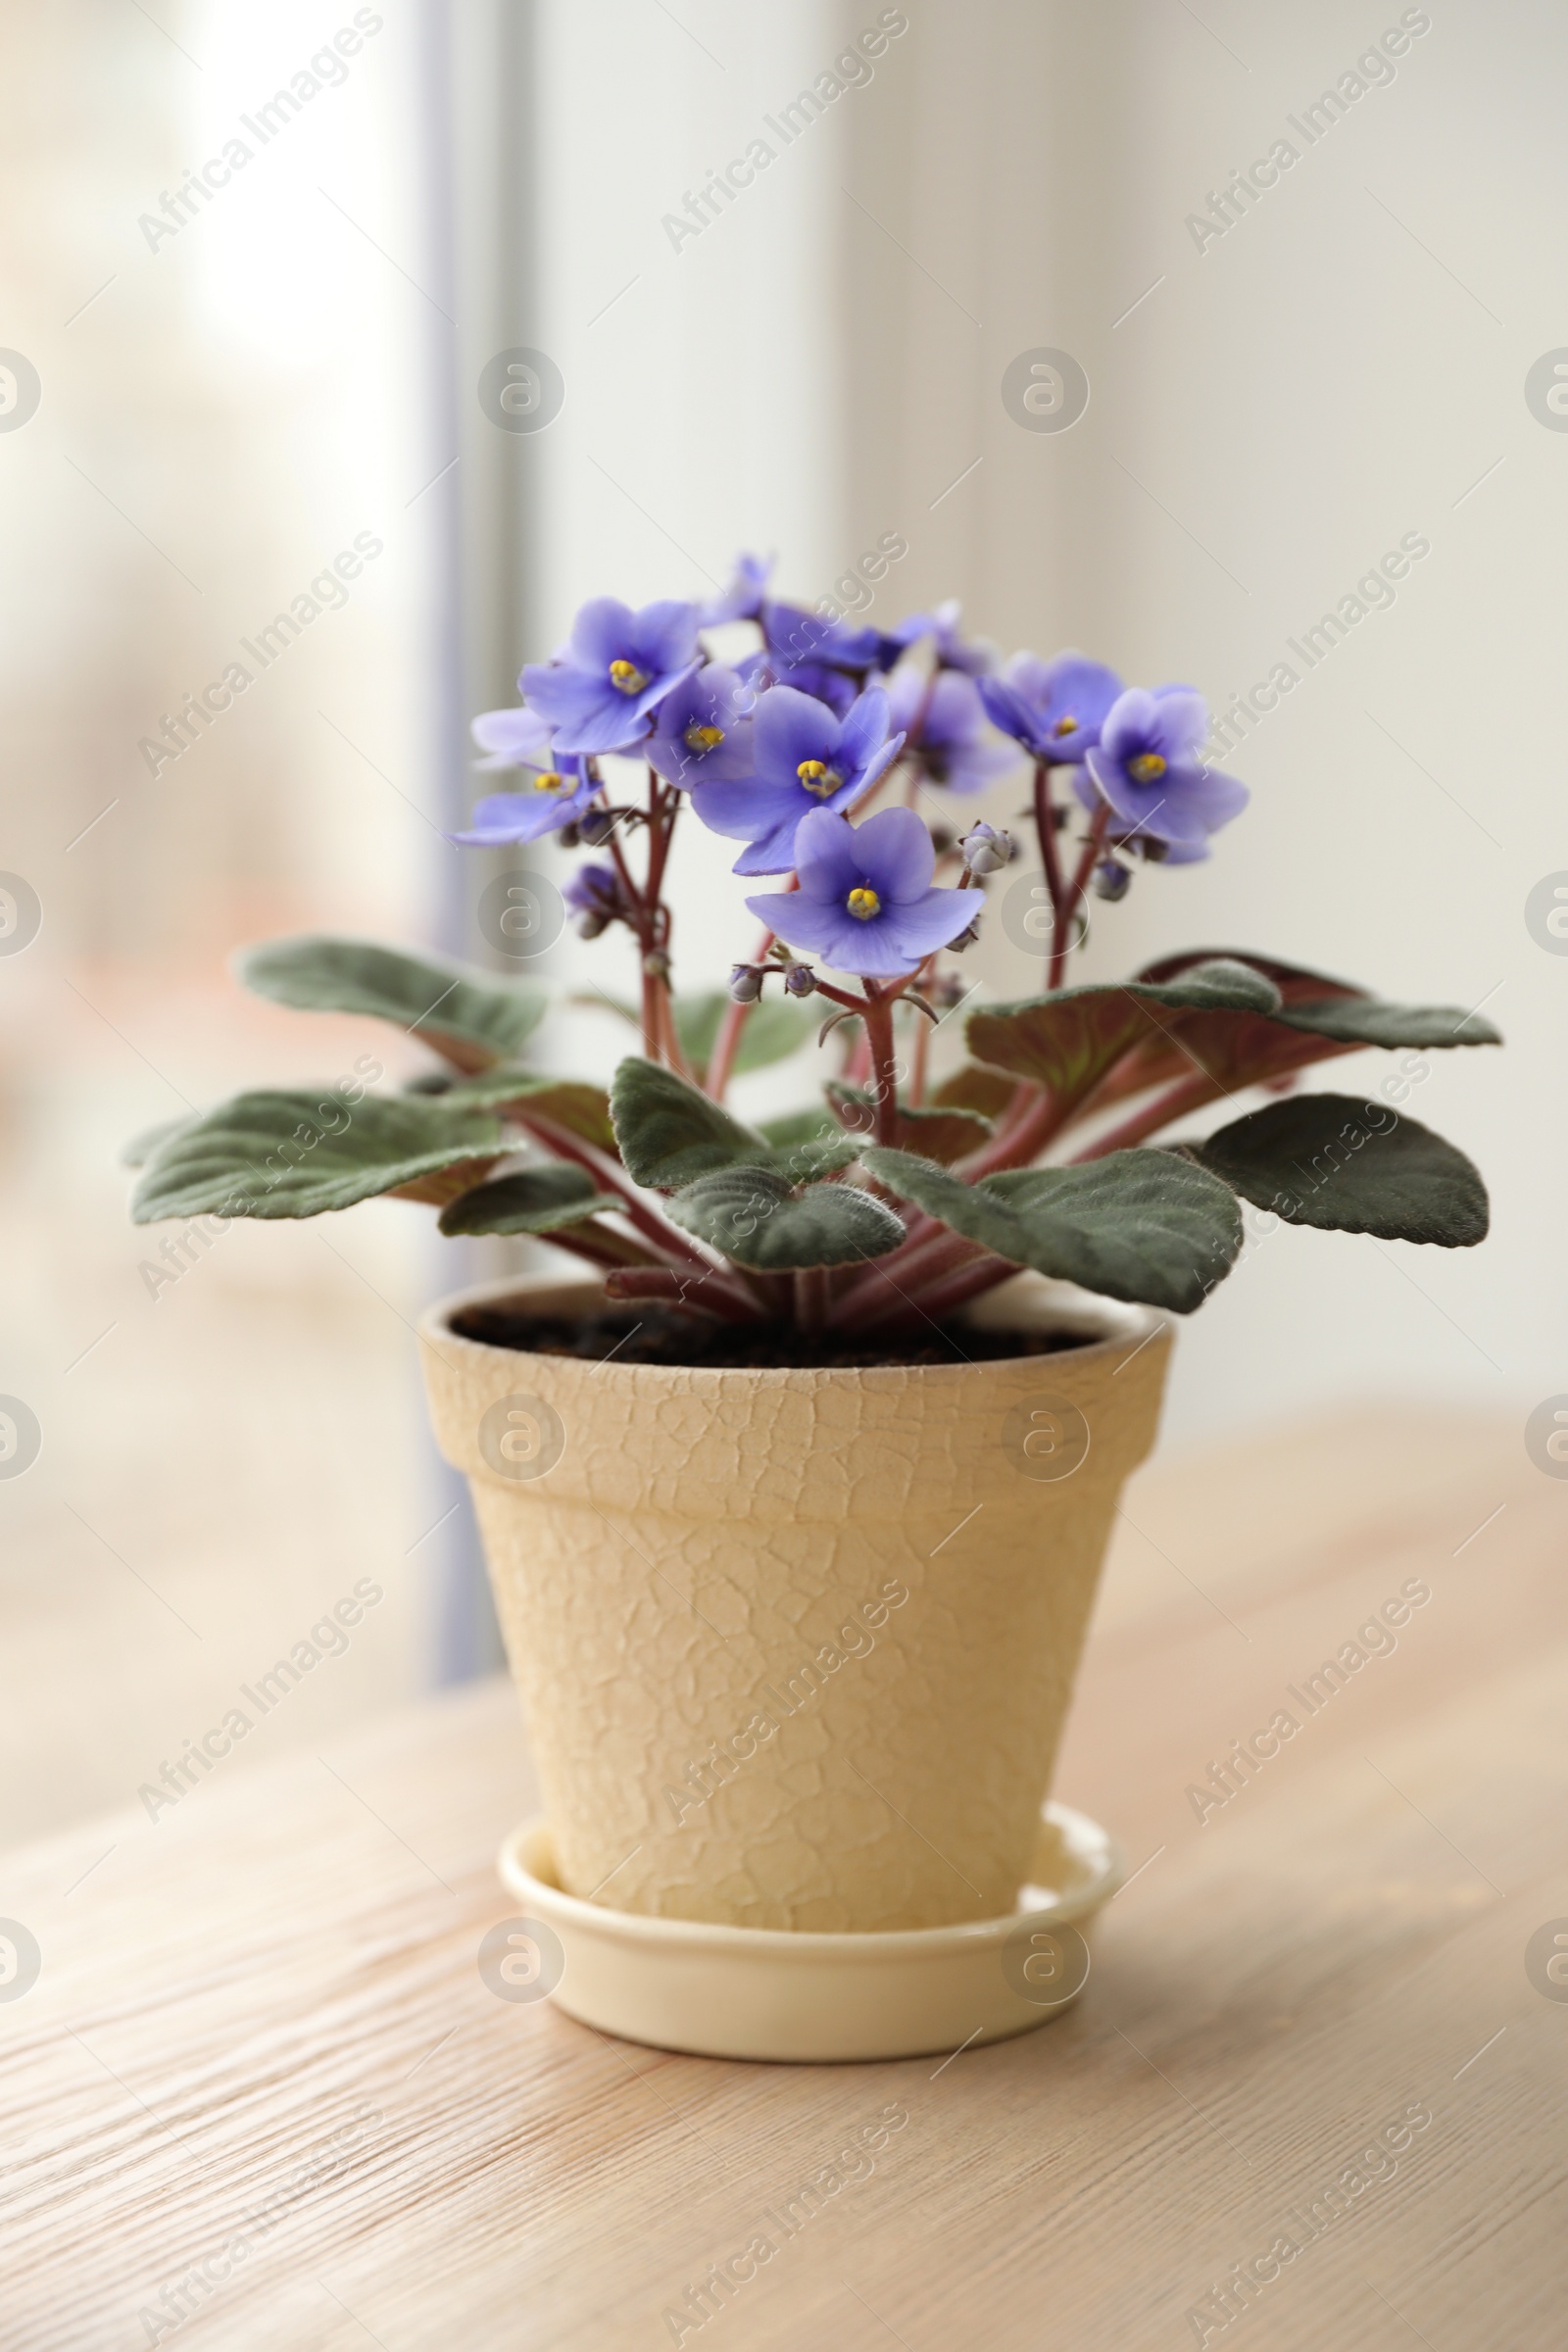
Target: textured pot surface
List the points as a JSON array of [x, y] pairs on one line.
[[796, 1647]]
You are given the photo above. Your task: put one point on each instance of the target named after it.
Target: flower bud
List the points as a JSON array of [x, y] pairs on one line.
[[800, 980], [746, 983], [594, 896], [985, 849], [596, 827], [966, 939], [1113, 881]]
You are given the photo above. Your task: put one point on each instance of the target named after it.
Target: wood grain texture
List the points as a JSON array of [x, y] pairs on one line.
[[291, 1954]]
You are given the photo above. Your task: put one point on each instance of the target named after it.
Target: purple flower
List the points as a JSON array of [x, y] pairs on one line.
[[556, 796], [865, 899], [818, 655], [835, 687], [796, 635], [594, 896], [512, 738], [977, 655], [1053, 708], [702, 734], [743, 599], [944, 721], [1147, 769], [619, 664], [807, 760]]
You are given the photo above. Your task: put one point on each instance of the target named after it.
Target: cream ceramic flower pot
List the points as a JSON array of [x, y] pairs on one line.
[[796, 1647]]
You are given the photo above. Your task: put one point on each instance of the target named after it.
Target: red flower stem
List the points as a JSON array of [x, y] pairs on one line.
[[722, 1065], [1045, 832], [726, 1044], [880, 1030], [1062, 944], [659, 1020], [918, 1061]]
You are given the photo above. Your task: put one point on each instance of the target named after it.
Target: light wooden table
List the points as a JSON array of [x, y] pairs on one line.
[[260, 2020]]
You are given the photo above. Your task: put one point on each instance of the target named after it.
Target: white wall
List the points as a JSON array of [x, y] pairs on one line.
[[704, 391], [1280, 410]]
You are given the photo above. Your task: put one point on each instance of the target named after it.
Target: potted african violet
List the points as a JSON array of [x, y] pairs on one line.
[[795, 1490]]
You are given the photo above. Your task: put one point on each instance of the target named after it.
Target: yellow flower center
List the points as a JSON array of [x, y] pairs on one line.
[[1147, 768], [819, 779], [628, 679], [1065, 726], [550, 780], [704, 739], [862, 905]]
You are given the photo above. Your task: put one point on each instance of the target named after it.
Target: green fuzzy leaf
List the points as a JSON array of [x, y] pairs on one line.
[[1120, 1225], [808, 1163], [1319, 1019], [1348, 1166], [148, 1140], [471, 1018], [571, 1103], [1374, 1021], [799, 1127], [273, 1153], [1296, 983], [752, 1215], [805, 1145], [669, 1133], [939, 1133], [530, 1201], [1069, 1040]]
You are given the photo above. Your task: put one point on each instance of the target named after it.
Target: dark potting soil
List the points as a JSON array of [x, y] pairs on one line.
[[662, 1336]]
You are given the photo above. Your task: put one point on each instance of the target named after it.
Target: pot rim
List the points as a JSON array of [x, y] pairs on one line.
[[1101, 1857], [1121, 1326]]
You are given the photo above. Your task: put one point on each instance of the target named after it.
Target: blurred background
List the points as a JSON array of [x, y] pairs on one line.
[[260, 263]]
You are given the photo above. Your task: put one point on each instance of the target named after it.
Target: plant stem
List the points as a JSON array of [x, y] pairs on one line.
[[580, 1242], [1015, 1144], [910, 1291], [1045, 833], [1187, 1094], [981, 1274], [667, 1239], [884, 1082], [810, 1297], [722, 1062], [679, 1290], [673, 1044], [1061, 944]]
